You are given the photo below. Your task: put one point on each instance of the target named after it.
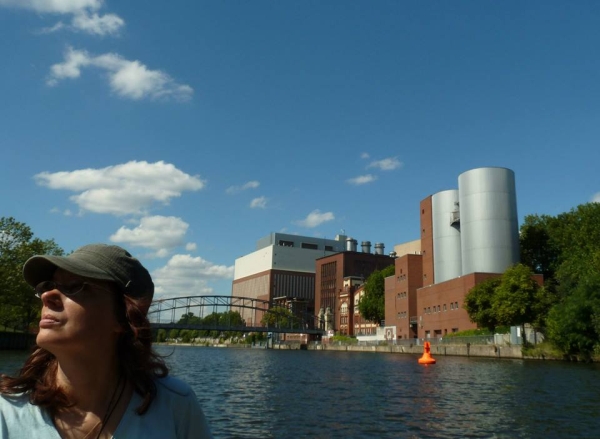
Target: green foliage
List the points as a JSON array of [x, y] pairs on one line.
[[538, 250], [161, 336], [473, 332], [173, 333], [372, 303], [566, 249], [573, 324], [478, 303], [216, 319], [20, 308], [344, 339], [190, 319], [514, 299], [185, 335], [280, 317]]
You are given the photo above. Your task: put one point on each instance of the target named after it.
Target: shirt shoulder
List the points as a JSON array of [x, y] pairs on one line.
[[173, 414], [19, 419], [174, 385]]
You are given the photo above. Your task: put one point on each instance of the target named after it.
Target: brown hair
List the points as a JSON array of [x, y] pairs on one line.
[[138, 362]]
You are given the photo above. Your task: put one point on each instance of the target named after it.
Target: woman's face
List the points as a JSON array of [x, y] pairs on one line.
[[78, 324]]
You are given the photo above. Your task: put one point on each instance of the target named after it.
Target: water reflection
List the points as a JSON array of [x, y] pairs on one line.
[[255, 393]]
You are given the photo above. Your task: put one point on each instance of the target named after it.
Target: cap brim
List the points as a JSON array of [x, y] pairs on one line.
[[41, 268]]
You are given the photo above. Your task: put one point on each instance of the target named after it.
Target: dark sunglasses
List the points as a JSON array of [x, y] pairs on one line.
[[68, 290]]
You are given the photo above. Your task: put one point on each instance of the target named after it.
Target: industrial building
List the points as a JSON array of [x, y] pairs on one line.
[[337, 282], [282, 270], [467, 236]]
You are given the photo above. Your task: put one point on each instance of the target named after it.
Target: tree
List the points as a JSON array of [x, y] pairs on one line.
[[20, 308], [161, 336], [515, 298], [190, 319], [279, 317], [478, 303], [573, 324], [514, 301], [538, 250], [372, 303]]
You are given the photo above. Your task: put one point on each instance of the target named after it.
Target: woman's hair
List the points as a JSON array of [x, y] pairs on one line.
[[139, 363]]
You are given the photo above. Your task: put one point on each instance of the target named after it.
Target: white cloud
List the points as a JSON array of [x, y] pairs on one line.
[[54, 6], [185, 275], [362, 179], [129, 188], [258, 203], [108, 24], [388, 164], [66, 212], [250, 185], [596, 198], [159, 233], [365, 155], [48, 30], [84, 19], [128, 79], [190, 246], [315, 218]]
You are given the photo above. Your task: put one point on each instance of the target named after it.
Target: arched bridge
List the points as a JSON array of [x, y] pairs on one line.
[[232, 313]]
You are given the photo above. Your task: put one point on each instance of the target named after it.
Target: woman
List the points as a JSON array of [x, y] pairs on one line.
[[93, 373]]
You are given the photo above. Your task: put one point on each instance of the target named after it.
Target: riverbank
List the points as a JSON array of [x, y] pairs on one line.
[[458, 350]]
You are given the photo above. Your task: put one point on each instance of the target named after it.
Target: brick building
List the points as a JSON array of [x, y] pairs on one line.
[[337, 278]]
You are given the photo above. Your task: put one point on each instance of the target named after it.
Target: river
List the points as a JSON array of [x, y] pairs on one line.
[[257, 393]]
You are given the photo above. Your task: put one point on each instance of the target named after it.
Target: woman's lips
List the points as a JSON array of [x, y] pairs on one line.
[[48, 321]]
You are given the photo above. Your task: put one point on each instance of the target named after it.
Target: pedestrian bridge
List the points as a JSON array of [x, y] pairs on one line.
[[231, 313]]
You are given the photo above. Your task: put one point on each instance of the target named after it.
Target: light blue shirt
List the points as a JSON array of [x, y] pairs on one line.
[[173, 414]]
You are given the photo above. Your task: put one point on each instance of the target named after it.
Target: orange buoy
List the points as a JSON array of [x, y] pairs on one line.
[[427, 358]]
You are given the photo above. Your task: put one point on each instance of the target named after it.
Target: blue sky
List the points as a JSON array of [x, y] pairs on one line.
[[185, 131]]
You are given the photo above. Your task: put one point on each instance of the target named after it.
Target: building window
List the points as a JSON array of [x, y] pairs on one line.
[[455, 305], [286, 243], [310, 246], [444, 307], [328, 248], [344, 308]]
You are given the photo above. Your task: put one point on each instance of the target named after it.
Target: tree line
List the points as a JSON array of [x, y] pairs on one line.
[[19, 308], [564, 248], [276, 317]]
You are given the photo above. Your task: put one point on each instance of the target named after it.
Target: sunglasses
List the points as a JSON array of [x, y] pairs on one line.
[[68, 290]]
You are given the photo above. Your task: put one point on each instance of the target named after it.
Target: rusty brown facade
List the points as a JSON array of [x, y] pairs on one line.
[[331, 292]]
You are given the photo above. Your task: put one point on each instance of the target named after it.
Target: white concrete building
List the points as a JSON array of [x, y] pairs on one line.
[[282, 268]]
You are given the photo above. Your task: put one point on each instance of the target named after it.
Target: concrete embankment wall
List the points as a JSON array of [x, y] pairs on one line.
[[489, 351]]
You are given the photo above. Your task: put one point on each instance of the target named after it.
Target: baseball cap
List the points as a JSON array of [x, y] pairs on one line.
[[95, 261]]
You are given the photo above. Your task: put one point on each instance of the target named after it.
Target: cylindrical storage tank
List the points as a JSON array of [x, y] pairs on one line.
[[351, 244], [366, 246], [488, 220], [379, 248], [446, 236]]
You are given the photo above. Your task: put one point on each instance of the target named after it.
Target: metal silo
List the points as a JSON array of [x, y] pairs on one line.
[[446, 236], [488, 220]]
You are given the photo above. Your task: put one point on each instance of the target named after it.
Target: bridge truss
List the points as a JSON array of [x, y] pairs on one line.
[[163, 314]]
